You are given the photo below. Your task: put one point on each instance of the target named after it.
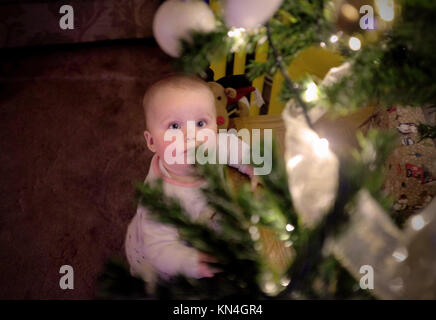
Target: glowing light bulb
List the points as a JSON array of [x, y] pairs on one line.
[[321, 147], [235, 32], [311, 92], [350, 12], [255, 219], [385, 9], [289, 227], [334, 38], [285, 281], [354, 43]]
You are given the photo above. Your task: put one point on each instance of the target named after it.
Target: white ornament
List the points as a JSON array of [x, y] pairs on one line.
[[312, 168], [176, 19], [249, 14], [404, 260], [336, 74]]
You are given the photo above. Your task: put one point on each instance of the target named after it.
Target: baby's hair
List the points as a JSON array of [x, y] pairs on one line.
[[175, 81]]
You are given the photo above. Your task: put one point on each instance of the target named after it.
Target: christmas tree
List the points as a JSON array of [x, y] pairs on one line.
[[318, 217]]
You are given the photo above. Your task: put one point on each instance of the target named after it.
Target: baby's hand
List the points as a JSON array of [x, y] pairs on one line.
[[204, 269]]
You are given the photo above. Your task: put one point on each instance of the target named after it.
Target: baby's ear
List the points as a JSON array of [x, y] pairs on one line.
[[149, 140]]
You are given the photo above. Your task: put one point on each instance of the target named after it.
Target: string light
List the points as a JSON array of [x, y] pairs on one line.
[[235, 32], [311, 93], [270, 287], [350, 12], [255, 219], [288, 244], [354, 43], [334, 38], [289, 227], [285, 281], [254, 232]]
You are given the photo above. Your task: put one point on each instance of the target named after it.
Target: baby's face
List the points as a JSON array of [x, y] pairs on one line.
[[171, 109]]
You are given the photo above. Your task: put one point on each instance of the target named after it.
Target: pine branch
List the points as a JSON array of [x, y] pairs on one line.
[[400, 70], [295, 91]]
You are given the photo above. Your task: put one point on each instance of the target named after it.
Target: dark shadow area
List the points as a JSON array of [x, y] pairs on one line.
[[72, 147]]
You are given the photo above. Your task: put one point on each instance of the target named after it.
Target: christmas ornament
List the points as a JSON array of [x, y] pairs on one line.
[[365, 21], [371, 241], [176, 19], [249, 14], [402, 263], [311, 166], [417, 272]]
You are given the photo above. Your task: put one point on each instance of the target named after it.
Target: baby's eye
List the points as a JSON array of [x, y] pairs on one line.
[[174, 126], [201, 123]]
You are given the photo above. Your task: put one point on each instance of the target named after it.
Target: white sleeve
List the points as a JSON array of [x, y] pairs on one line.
[[163, 249]]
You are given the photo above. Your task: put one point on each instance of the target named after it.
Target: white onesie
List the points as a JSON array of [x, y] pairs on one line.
[[154, 248]]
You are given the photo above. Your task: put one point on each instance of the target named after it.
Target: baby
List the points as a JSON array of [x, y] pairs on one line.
[[153, 248]]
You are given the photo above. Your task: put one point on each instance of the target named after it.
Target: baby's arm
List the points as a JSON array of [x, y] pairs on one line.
[[160, 246]]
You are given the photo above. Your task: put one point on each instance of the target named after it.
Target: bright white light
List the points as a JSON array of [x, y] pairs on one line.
[[255, 219], [322, 44], [292, 163], [334, 38], [270, 287], [418, 222], [289, 227], [285, 281], [311, 92], [235, 32], [252, 230], [321, 147], [288, 244], [385, 9], [354, 43]]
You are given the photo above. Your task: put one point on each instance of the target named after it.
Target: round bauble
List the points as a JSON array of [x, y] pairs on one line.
[[176, 19], [249, 14]]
